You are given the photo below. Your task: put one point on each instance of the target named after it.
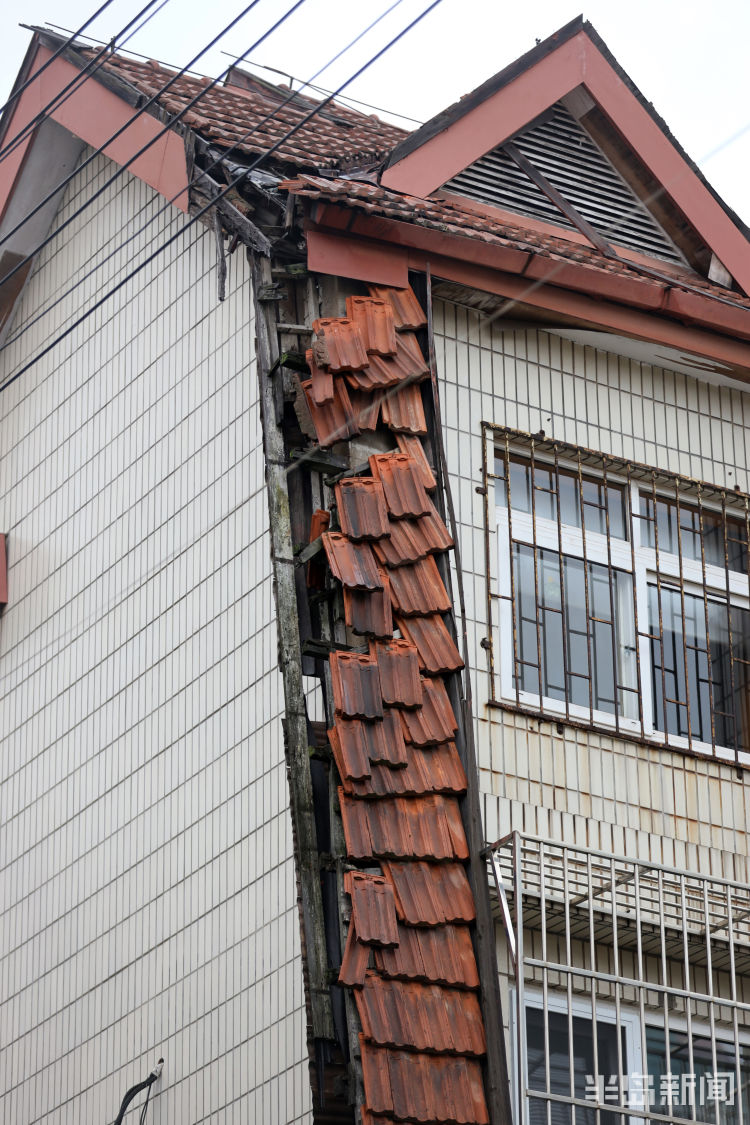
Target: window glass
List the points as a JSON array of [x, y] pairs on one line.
[[561, 489], [583, 1066], [680, 667], [702, 1068], [566, 629], [660, 519]]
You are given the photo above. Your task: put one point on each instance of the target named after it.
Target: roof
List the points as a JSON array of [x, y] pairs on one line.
[[225, 114]]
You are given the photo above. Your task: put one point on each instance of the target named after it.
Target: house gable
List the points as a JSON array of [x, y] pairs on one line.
[[573, 74]]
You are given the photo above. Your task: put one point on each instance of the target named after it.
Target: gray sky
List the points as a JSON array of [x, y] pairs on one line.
[[688, 58]]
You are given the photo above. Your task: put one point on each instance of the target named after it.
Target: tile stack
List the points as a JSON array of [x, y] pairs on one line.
[[409, 956]]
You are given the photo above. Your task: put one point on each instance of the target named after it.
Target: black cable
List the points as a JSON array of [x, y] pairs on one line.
[[212, 203], [15, 94], [218, 161], [62, 96], [123, 167], [134, 1091]]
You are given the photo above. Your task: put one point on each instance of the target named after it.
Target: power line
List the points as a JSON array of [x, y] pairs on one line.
[[232, 183], [218, 161], [15, 94], [91, 68], [142, 109]]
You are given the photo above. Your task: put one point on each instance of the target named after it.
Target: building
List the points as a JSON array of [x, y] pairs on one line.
[[374, 663]]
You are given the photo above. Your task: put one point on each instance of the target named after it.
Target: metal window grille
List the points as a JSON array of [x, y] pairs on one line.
[[618, 596], [631, 987]]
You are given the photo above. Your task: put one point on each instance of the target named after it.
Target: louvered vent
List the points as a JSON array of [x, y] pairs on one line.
[[567, 156]]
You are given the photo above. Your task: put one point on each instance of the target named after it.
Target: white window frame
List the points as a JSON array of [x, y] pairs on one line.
[[543, 533]]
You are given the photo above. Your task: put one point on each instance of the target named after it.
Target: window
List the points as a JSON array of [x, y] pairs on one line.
[[621, 598]]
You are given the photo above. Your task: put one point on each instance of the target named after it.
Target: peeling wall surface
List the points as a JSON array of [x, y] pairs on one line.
[[147, 896], [560, 782]]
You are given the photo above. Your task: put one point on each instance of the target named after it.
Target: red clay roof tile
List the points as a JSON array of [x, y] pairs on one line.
[[412, 446], [403, 827], [411, 540], [373, 907], [379, 375], [350, 756], [407, 311], [424, 1088], [434, 721], [343, 341], [366, 409], [368, 612], [321, 390], [352, 563], [368, 738], [316, 571], [355, 961], [399, 673], [417, 589], [393, 751], [402, 410], [436, 648], [405, 366], [430, 894], [356, 686], [436, 770], [361, 507], [423, 1017], [374, 318], [411, 354], [335, 420], [405, 495], [442, 954]]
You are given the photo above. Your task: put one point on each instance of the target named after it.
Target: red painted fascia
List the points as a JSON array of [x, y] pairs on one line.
[[574, 63], [599, 299], [93, 112]]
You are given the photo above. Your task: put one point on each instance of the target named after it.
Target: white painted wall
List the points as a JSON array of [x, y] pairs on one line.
[[147, 891], [588, 788]]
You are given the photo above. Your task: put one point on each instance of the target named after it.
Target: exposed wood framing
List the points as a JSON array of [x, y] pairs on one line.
[[290, 662], [203, 190]]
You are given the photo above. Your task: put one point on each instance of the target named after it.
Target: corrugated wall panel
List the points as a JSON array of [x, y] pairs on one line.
[[147, 891], [569, 784]]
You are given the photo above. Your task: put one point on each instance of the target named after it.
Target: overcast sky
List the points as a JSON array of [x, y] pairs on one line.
[[688, 57]]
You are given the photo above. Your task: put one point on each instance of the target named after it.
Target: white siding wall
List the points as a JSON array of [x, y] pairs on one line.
[[147, 894], [588, 788]]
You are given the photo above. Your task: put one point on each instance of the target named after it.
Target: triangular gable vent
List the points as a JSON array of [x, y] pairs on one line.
[[560, 148]]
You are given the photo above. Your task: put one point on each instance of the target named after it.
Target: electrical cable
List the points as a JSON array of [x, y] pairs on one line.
[[134, 1091], [15, 94], [91, 68], [141, 110], [224, 191], [216, 162]]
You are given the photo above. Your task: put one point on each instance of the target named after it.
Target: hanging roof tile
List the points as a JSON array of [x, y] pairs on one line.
[[417, 589], [412, 540], [442, 954], [373, 908], [430, 894], [434, 721], [381, 374], [404, 491], [334, 421], [423, 1088], [356, 686], [413, 447], [435, 770], [425, 1017], [420, 827], [343, 342], [394, 751], [321, 390], [366, 407], [374, 318], [382, 741], [352, 563], [407, 311], [399, 673], [402, 410], [350, 755], [361, 508], [437, 649], [368, 612], [316, 573], [355, 961]]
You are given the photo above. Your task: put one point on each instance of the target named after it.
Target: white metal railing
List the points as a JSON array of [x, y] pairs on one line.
[[631, 994]]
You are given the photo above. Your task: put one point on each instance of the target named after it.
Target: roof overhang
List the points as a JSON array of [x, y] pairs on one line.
[[575, 57], [382, 250]]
